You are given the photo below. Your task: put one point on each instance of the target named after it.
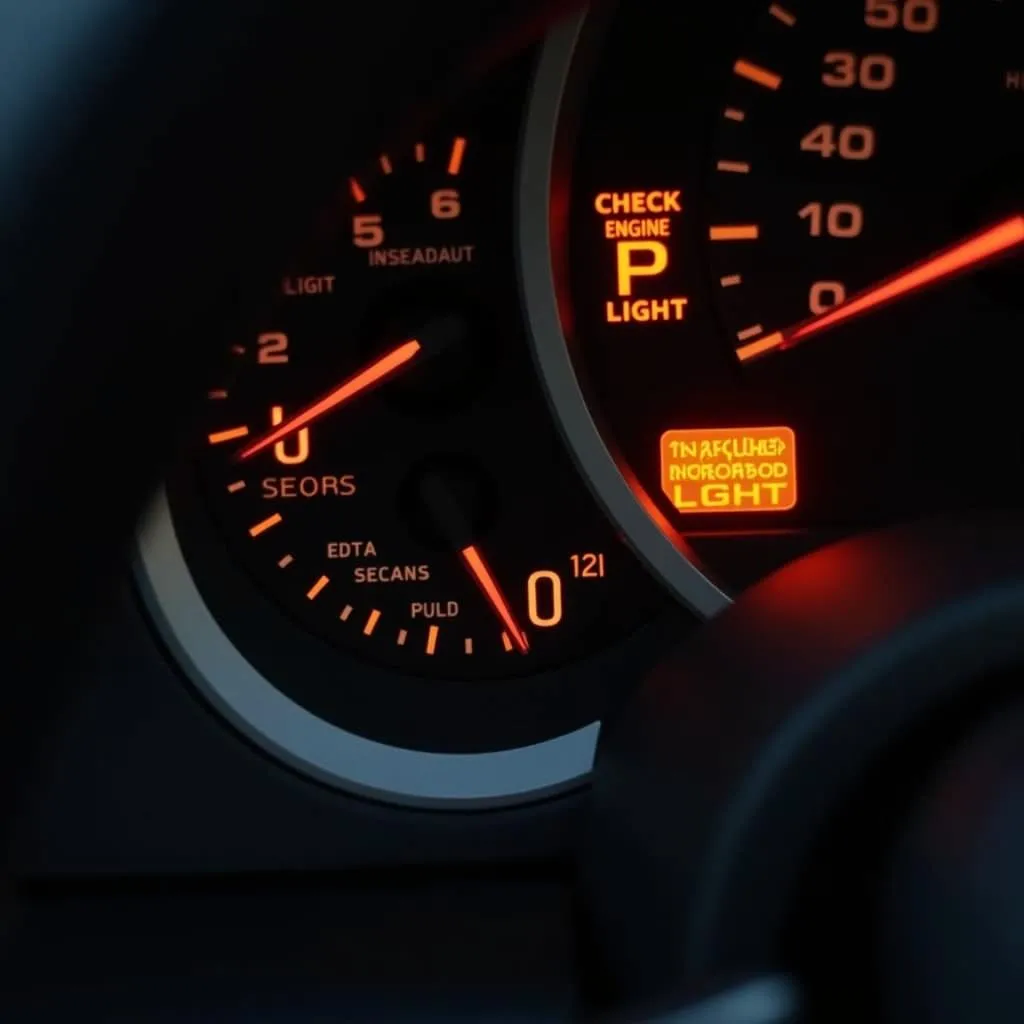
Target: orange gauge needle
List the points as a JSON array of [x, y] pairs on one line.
[[377, 371], [487, 583], [968, 254]]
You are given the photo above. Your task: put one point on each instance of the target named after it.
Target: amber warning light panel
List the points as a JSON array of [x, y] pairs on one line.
[[733, 469], [641, 225]]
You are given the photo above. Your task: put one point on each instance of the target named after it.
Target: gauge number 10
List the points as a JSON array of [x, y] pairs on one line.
[[840, 220], [544, 588]]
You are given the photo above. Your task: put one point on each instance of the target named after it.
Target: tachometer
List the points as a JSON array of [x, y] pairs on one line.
[[388, 479], [378, 559], [795, 314]]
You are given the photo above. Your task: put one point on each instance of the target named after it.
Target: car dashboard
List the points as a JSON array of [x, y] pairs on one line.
[[646, 377]]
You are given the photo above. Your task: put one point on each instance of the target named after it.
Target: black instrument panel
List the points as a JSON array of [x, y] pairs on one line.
[[792, 314], [378, 557], [549, 381]]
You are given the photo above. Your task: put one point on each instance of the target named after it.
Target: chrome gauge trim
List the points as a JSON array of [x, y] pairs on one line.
[[313, 746], [565, 394]]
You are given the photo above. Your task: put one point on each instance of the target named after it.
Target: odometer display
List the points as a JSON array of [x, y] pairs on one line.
[[843, 261]]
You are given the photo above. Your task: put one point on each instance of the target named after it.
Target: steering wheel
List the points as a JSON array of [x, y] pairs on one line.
[[860, 757]]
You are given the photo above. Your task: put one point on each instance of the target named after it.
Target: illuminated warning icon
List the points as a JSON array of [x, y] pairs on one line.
[[635, 221], [732, 469]]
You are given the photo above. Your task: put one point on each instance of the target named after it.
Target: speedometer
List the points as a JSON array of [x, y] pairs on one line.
[[786, 245]]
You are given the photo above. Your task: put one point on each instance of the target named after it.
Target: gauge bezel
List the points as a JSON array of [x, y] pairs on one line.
[[315, 747], [660, 546]]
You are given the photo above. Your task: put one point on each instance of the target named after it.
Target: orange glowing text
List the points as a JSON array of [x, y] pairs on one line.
[[610, 204], [731, 469], [640, 225]]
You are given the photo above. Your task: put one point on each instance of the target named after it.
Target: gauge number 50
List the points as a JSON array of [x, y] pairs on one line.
[[912, 15]]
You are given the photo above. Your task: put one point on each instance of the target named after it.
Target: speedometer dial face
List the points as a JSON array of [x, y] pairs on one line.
[[798, 313]]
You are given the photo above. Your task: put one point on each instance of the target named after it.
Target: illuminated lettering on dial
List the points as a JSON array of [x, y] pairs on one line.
[[610, 204], [743, 469], [308, 284], [274, 487], [641, 255], [291, 451]]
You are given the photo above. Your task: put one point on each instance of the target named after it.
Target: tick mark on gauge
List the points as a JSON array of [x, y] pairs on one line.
[[731, 280], [403, 635], [283, 563], [357, 190], [421, 152], [238, 485], [468, 645], [314, 591], [750, 332], [734, 166], [735, 233], [385, 163], [345, 613], [756, 348], [218, 393], [231, 434], [371, 622], [265, 524], [757, 74], [458, 152], [432, 635], [238, 350], [780, 13], [735, 114]]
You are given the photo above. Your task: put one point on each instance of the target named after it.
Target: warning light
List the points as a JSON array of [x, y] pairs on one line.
[[612, 204], [639, 260], [732, 469]]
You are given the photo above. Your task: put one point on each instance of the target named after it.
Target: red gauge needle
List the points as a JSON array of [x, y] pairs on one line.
[[487, 583], [377, 371], [967, 254]]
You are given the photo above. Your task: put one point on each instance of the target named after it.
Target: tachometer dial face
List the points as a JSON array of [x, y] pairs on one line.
[[377, 558], [378, 456], [797, 314], [388, 483]]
